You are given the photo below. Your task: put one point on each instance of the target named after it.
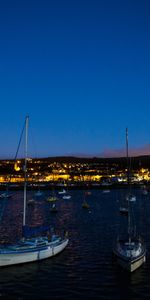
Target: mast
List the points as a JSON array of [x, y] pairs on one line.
[[128, 181], [25, 169], [127, 154]]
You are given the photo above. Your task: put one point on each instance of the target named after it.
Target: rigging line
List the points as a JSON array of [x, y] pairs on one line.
[[9, 179], [19, 142]]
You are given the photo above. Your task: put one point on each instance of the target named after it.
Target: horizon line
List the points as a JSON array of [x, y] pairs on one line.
[[106, 153], [75, 156]]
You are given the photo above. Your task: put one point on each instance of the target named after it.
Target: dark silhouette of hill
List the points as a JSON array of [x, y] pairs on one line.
[[136, 162]]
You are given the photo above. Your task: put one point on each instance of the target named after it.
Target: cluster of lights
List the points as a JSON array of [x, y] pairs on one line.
[[62, 172]]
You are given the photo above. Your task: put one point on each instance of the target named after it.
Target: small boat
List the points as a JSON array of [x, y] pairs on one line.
[[54, 208], [130, 197], [130, 250], [123, 210], [5, 195], [52, 199], [38, 193], [34, 245], [62, 192], [67, 196]]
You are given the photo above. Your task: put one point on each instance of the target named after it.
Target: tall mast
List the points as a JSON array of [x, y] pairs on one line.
[[127, 154], [128, 181], [25, 170]]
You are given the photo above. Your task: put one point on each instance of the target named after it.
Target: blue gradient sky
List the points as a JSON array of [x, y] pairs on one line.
[[80, 70]]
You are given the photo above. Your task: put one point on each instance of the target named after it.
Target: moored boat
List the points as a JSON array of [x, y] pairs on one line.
[[52, 199], [130, 254], [67, 196], [54, 209], [35, 244], [5, 195], [62, 192], [130, 250], [32, 249]]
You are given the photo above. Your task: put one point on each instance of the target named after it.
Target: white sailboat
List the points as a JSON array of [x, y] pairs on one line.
[[130, 251], [30, 249], [54, 209], [66, 197], [62, 192]]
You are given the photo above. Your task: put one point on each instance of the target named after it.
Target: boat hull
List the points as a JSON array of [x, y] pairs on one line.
[[131, 265], [20, 257], [128, 258]]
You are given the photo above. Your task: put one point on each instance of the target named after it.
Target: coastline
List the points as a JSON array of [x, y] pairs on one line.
[[73, 186]]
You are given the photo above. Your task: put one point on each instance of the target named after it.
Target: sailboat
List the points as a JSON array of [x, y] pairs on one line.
[[29, 248], [54, 209], [66, 195], [62, 192], [52, 198], [130, 251]]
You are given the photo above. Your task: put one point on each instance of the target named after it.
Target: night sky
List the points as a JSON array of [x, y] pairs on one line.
[[81, 70]]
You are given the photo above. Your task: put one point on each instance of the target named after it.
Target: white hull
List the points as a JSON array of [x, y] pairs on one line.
[[33, 248], [19, 257], [131, 198], [66, 197], [131, 265], [130, 251], [62, 192]]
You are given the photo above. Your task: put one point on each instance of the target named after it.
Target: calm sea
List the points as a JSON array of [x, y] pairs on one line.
[[86, 269]]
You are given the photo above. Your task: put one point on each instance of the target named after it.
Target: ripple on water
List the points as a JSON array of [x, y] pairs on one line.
[[85, 269]]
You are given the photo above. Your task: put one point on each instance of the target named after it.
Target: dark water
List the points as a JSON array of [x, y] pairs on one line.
[[86, 269]]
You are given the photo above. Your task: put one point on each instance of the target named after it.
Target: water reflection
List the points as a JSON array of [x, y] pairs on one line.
[[86, 268]]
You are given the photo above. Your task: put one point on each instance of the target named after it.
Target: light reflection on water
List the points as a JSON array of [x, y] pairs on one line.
[[86, 268]]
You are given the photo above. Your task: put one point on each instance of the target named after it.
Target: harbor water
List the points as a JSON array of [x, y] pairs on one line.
[[86, 269]]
